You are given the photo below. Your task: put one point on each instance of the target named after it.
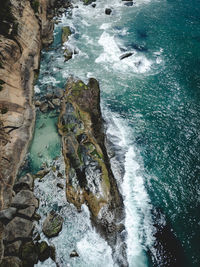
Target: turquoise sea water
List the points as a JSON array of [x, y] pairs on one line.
[[150, 102]]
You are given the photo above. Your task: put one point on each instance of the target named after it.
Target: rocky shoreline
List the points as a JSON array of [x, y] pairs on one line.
[[26, 27], [89, 178]]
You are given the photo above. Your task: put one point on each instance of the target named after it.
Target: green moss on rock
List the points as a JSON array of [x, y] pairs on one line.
[[52, 224], [66, 32], [44, 251]]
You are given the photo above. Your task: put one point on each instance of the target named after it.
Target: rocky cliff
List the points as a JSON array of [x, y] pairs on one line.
[[25, 27]]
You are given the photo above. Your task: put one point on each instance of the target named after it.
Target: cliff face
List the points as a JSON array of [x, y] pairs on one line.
[[26, 26], [89, 176]]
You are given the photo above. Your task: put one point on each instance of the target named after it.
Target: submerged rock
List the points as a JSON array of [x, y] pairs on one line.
[[44, 107], [88, 2], [126, 55], [74, 254], [108, 11], [52, 224]]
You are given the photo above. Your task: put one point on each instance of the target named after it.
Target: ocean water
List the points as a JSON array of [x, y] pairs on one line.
[[150, 104]]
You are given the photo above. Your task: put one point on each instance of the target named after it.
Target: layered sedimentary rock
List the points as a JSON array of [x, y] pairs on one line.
[[89, 177]]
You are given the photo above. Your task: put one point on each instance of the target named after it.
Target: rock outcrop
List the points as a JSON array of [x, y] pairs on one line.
[[90, 180]]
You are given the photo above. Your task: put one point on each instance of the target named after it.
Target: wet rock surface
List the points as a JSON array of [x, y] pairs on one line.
[[17, 225], [52, 224]]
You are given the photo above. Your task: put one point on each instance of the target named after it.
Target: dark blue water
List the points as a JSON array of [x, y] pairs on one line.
[[155, 96]]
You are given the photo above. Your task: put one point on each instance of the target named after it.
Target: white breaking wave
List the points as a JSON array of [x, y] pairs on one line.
[[77, 232], [112, 53], [138, 221]]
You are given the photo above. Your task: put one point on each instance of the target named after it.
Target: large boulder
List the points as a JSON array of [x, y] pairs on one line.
[[18, 228], [25, 182], [29, 254], [52, 224], [24, 199]]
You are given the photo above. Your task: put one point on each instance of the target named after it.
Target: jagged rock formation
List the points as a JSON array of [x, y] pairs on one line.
[[88, 172]]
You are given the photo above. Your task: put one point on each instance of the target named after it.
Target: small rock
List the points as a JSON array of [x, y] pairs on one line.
[[74, 254], [68, 54], [25, 182], [66, 32], [44, 251], [60, 185], [59, 175], [58, 93], [129, 54], [29, 254], [44, 107], [37, 103], [108, 11], [7, 214], [52, 224], [61, 10], [24, 199], [18, 228], [28, 212], [93, 5], [41, 173], [56, 102], [51, 105], [49, 95], [36, 217], [36, 237], [11, 262], [13, 248]]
